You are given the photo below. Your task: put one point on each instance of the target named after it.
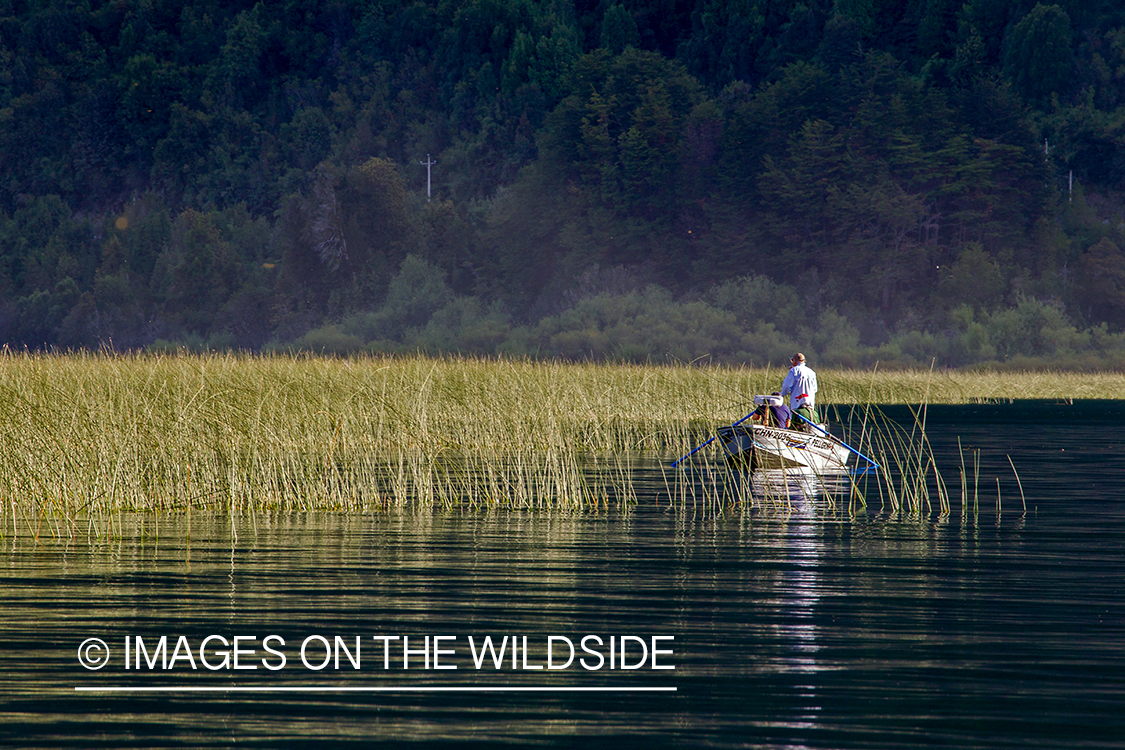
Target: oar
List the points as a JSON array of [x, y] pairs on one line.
[[704, 445], [838, 440]]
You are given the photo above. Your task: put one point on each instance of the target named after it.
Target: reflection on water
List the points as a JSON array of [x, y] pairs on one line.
[[802, 485], [795, 625]]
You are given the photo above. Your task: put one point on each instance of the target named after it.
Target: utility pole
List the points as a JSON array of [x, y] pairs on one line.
[[427, 164]]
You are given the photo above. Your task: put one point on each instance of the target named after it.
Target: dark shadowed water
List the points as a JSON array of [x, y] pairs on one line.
[[793, 628]]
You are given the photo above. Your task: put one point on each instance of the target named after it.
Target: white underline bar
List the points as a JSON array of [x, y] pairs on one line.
[[356, 689]]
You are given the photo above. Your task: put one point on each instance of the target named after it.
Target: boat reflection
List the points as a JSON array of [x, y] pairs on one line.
[[798, 484]]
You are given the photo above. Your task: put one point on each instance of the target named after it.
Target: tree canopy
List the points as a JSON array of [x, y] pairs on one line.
[[914, 175]]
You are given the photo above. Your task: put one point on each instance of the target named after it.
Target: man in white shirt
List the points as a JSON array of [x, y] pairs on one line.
[[800, 386]]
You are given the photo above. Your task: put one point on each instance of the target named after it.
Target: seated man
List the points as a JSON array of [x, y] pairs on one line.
[[781, 413], [769, 415]]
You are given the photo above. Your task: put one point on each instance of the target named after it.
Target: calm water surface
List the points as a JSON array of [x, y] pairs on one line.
[[792, 628]]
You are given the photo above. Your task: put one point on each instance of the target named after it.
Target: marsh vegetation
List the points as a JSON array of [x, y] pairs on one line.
[[88, 436]]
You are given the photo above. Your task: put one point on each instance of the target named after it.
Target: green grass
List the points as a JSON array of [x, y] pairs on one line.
[[88, 436]]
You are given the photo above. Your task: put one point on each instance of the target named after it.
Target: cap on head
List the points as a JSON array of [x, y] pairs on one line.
[[798, 357]]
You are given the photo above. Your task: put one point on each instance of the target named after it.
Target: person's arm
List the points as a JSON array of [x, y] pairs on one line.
[[787, 384]]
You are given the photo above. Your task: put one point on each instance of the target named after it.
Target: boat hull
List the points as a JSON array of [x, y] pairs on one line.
[[768, 448]]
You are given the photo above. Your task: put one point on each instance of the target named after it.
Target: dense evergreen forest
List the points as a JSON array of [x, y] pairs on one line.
[[865, 180]]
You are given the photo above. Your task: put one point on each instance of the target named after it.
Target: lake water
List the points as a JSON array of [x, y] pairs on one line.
[[796, 627]]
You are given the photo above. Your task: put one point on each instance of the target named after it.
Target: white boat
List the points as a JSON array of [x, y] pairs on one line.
[[762, 445]]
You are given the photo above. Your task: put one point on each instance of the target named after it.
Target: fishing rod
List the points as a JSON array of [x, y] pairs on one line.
[[692, 366], [704, 445], [838, 440], [725, 385]]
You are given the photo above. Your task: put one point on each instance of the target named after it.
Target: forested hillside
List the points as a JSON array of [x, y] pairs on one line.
[[861, 179]]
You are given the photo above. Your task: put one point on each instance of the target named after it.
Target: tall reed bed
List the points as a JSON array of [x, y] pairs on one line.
[[964, 387], [86, 434]]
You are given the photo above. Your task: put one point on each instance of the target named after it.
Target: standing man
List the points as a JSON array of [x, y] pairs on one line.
[[800, 386]]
